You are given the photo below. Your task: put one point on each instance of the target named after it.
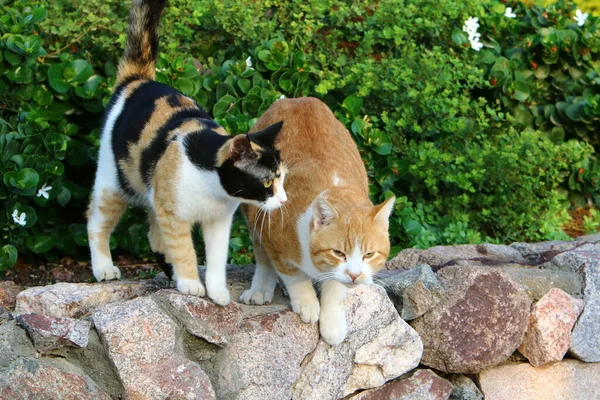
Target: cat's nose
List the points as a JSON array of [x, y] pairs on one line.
[[352, 276], [282, 197]]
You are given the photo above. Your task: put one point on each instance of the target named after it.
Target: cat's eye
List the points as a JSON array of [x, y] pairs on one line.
[[268, 183], [369, 254], [339, 253]]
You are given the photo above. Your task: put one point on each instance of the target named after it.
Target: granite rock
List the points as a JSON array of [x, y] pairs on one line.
[[424, 384], [51, 333]]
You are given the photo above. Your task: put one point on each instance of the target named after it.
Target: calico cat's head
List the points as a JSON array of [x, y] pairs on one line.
[[251, 170], [350, 244]]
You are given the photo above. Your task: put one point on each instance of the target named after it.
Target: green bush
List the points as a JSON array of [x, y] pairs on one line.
[[471, 158]]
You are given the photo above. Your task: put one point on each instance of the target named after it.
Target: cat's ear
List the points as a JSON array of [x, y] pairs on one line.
[[266, 137], [323, 213], [240, 150], [381, 212]]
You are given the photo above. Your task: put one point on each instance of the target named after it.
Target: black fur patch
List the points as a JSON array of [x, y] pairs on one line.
[[167, 267], [157, 147], [202, 147]]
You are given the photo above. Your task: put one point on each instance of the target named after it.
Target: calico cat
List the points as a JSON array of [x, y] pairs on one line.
[[329, 230], [159, 149]]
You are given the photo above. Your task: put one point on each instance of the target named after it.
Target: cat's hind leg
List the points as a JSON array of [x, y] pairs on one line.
[[264, 279], [177, 239], [158, 247], [104, 213]]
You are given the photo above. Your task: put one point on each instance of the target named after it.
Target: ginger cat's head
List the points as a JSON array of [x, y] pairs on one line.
[[349, 244]]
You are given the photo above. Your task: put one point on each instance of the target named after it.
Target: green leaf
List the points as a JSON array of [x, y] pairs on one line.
[[413, 228], [522, 91], [78, 71], [380, 142], [244, 85], [459, 37], [222, 106], [352, 104], [39, 244], [8, 256], [575, 111], [185, 86], [56, 79], [64, 196], [27, 177]]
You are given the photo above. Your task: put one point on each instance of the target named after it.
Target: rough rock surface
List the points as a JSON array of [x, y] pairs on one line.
[[379, 347], [75, 300], [8, 294], [144, 345], [414, 292], [424, 384], [550, 323], [566, 380], [263, 359], [5, 315], [51, 333], [30, 378], [585, 260], [464, 388], [200, 316], [537, 282], [479, 323], [14, 344], [440, 256]]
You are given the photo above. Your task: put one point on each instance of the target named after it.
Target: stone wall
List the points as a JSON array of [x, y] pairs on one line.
[[460, 322]]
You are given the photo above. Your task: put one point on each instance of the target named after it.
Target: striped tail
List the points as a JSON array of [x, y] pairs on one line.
[[141, 48]]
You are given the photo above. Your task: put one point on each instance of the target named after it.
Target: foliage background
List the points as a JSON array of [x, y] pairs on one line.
[[489, 146]]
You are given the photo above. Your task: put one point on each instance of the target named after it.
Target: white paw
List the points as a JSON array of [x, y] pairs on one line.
[[219, 295], [107, 273], [257, 297], [307, 307], [191, 286], [333, 328]]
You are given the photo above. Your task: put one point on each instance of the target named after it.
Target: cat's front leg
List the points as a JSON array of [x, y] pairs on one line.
[[216, 242], [333, 325], [177, 238], [264, 279], [302, 296]]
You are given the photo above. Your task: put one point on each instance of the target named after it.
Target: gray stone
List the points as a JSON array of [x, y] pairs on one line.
[[424, 384], [51, 333], [5, 315], [479, 323], [414, 292], [8, 294], [201, 317], [585, 260], [565, 380], [440, 256], [464, 388], [14, 343], [550, 323], [75, 300], [30, 378], [379, 347], [539, 281], [541, 252], [263, 359], [144, 346]]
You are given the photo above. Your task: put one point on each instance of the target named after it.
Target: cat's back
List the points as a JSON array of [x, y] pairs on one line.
[[315, 145]]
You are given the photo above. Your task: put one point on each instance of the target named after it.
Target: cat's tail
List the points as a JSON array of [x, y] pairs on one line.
[[141, 48]]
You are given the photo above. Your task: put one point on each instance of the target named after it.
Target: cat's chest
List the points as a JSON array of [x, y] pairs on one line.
[[200, 195]]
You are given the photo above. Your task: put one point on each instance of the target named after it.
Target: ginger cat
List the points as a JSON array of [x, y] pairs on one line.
[[159, 149], [329, 229]]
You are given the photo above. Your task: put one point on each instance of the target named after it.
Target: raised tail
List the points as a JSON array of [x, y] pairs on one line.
[[141, 48]]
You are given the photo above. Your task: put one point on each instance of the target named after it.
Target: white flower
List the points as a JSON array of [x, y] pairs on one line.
[[281, 97], [19, 219], [43, 192], [249, 62], [476, 44], [509, 14], [580, 17], [471, 25]]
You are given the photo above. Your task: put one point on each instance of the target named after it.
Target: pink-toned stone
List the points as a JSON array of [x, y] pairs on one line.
[[424, 384], [51, 333], [565, 380], [263, 360], [144, 346], [550, 324], [8, 294], [75, 300], [201, 317], [479, 323], [29, 378]]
